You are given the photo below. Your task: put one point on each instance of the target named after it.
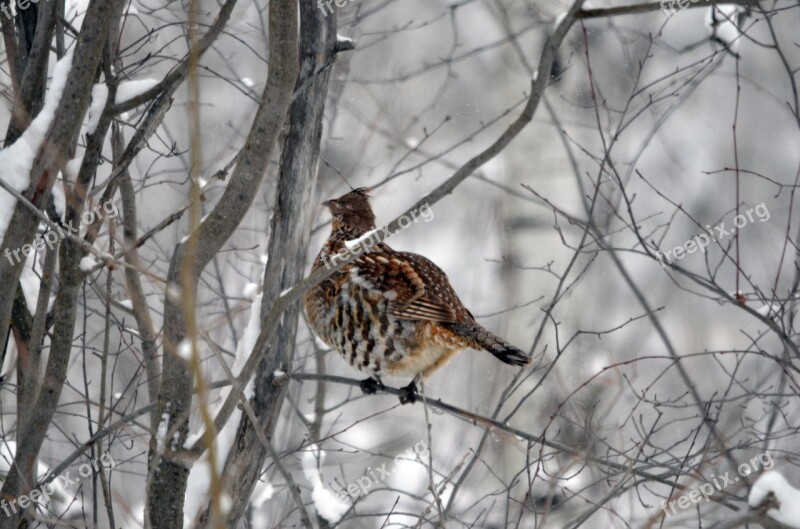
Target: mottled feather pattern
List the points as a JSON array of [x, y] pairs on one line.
[[389, 312]]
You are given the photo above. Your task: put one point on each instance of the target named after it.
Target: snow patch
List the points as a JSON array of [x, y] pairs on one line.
[[59, 199], [88, 263], [75, 11], [225, 503], [261, 494], [72, 168], [16, 160], [328, 505], [559, 19], [191, 439], [99, 100], [788, 511], [29, 281], [128, 90], [184, 349], [248, 342], [353, 243], [161, 433], [199, 476], [251, 290]]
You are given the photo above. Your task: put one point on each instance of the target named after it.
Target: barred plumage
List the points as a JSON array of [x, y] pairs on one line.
[[389, 312]]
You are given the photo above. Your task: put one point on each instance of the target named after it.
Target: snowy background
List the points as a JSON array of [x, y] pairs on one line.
[[429, 85]]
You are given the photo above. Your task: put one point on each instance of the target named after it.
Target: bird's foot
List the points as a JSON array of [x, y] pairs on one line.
[[408, 394], [370, 386]]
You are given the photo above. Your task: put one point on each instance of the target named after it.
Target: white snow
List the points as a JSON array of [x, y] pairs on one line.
[[197, 493], [30, 282], [788, 511], [769, 308], [127, 90], [87, 263], [224, 503], [559, 19], [128, 304], [341, 39], [248, 342], [248, 82], [16, 160], [262, 492], [72, 168], [325, 501], [251, 290], [75, 11], [191, 439], [161, 434], [59, 199], [264, 258], [353, 243], [286, 291], [99, 99], [184, 349], [278, 373]]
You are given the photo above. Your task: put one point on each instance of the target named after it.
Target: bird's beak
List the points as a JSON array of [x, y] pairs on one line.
[[327, 203]]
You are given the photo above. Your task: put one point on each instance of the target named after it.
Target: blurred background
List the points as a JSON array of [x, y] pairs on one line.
[[644, 376]]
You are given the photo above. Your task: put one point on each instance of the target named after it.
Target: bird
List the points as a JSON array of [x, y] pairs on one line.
[[388, 312]]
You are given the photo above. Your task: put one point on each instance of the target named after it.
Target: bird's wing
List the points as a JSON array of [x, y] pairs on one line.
[[417, 288]]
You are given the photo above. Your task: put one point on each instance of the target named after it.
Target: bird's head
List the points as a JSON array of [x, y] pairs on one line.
[[352, 211]]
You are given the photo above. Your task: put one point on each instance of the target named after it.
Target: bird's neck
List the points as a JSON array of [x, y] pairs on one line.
[[335, 243]]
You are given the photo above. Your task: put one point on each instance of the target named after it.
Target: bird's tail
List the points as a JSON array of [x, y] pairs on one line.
[[483, 339]]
